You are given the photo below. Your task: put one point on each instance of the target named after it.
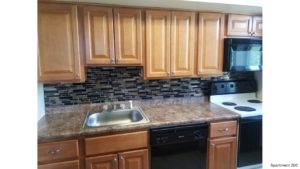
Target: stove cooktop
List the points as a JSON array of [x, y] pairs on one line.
[[245, 104]]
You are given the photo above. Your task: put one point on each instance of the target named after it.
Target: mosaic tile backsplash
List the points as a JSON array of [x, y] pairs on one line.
[[108, 84], [119, 84]]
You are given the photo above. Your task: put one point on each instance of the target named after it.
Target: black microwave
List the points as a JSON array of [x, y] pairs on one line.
[[242, 54]]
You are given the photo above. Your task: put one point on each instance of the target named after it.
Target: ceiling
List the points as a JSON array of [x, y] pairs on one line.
[[227, 6]]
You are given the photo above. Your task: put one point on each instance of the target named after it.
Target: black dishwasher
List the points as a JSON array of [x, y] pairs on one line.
[[178, 147]]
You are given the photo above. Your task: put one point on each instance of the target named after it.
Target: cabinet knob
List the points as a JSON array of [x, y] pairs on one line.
[[112, 60], [224, 130], [115, 160], [168, 73], [122, 158], [172, 73], [53, 152], [77, 75]]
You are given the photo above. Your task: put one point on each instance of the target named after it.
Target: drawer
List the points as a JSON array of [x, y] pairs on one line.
[[61, 165], [115, 143], [54, 151], [219, 129]]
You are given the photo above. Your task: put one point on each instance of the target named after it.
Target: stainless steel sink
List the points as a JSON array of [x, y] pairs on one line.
[[118, 117]]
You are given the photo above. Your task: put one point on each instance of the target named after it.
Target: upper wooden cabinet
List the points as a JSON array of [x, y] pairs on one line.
[[170, 44], [128, 36], [99, 38], [59, 47], [244, 25], [210, 43], [113, 36], [158, 39], [183, 44]]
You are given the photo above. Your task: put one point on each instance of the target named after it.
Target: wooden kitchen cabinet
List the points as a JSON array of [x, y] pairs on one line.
[[222, 153], [134, 159], [210, 43], [113, 36], [183, 42], [128, 36], [137, 159], [99, 35], [102, 162], [61, 165], [244, 25], [59, 44], [222, 145], [118, 151], [170, 44], [59, 155], [158, 39]]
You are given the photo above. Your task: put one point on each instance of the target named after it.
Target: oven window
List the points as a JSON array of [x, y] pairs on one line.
[[190, 155], [246, 56]]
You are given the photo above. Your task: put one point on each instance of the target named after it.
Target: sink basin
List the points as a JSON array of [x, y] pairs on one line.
[[119, 117]]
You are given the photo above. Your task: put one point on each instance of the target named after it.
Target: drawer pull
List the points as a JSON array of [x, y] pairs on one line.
[[53, 152], [122, 158], [223, 130], [115, 160]]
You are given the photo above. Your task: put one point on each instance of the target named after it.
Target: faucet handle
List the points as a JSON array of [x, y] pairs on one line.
[[130, 104], [122, 106], [105, 107]]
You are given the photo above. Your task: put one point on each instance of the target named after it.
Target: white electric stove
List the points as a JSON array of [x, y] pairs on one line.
[[245, 104], [240, 97]]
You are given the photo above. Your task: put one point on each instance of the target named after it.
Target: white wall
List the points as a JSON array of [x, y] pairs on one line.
[[258, 78], [41, 102]]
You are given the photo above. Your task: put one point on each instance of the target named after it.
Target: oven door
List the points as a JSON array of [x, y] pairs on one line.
[[242, 54], [250, 141], [189, 155]]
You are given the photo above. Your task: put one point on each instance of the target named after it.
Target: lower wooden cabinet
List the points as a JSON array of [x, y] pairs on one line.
[[102, 162], [137, 159], [222, 153], [222, 145], [61, 165]]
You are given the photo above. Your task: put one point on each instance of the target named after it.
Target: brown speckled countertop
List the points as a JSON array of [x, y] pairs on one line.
[[66, 122]]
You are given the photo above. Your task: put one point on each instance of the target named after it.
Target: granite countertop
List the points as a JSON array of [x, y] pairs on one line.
[[67, 121]]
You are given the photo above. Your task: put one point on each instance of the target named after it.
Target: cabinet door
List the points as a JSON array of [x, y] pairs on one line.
[[128, 36], [239, 25], [183, 44], [134, 159], [99, 39], [211, 41], [222, 153], [157, 44], [58, 43], [257, 26], [102, 162], [61, 165]]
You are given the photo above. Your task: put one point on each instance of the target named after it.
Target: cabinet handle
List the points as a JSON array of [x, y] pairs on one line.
[[168, 73], [172, 73], [122, 158], [77, 75], [253, 33], [115, 160], [224, 130], [112, 61], [53, 152]]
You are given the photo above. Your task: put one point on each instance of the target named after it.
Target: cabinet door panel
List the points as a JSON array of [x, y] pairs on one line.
[[222, 153], [134, 159], [128, 34], [211, 41], [183, 43], [58, 48], [158, 43], [99, 40], [257, 26], [102, 162], [239, 25], [61, 165]]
